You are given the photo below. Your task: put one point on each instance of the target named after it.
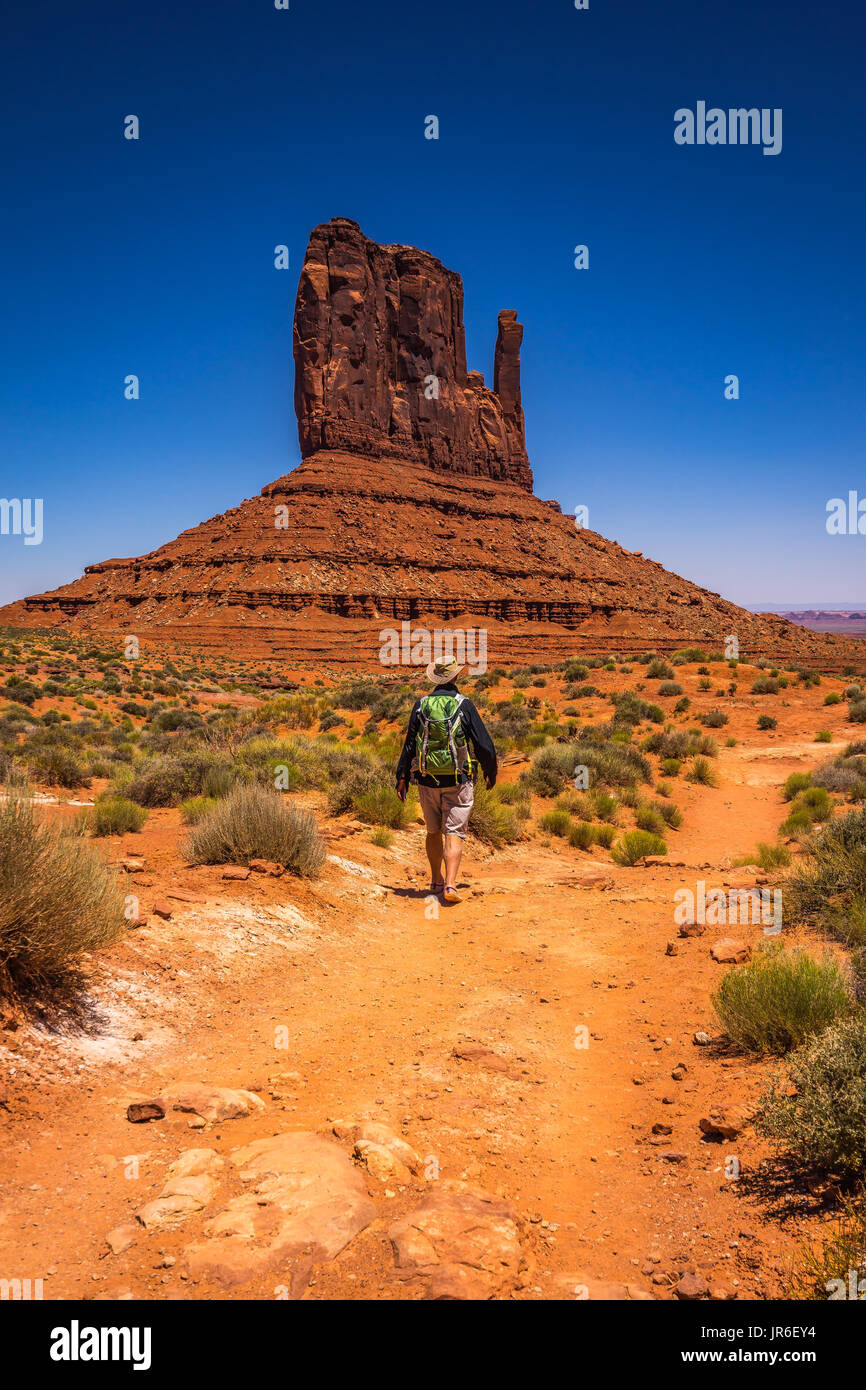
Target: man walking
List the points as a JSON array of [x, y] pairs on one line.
[[445, 730]]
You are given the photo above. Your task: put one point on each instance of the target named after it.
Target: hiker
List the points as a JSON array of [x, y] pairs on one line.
[[445, 729]]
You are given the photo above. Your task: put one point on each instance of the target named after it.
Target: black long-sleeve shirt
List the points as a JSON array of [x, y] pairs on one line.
[[480, 743]]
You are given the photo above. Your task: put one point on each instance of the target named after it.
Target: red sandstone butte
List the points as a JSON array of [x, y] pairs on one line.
[[413, 502]]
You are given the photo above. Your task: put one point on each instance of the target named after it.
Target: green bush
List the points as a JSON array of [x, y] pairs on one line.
[[382, 806], [834, 698], [823, 1124], [491, 822], [823, 736], [780, 999], [381, 836], [555, 823], [670, 688], [799, 822], [648, 818], [829, 881], [604, 834], [636, 845], [766, 721], [670, 767], [253, 823], [714, 719], [59, 766], [797, 782], [857, 712], [765, 685], [115, 815], [702, 773], [57, 898], [196, 807], [582, 835]]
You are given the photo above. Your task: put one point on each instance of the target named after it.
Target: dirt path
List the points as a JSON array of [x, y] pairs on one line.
[[459, 1030]]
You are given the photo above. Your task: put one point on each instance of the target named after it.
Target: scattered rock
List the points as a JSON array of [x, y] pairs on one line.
[[193, 1162], [724, 1122], [720, 1293], [236, 871], [727, 951], [266, 866], [577, 1286], [143, 1110], [463, 1241], [213, 1103], [691, 1287], [701, 1039], [179, 1198], [122, 1237], [692, 929], [163, 910], [675, 1156], [307, 1202]]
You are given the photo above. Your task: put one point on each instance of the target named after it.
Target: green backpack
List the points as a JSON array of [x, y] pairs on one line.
[[440, 746]]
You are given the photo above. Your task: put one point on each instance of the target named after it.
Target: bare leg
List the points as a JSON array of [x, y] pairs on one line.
[[453, 856], [434, 855]]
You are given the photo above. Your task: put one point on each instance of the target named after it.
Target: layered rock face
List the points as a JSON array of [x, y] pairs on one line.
[[380, 362], [405, 507]]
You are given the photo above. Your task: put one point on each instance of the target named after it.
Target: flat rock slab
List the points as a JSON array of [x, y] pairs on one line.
[[307, 1202], [730, 952], [579, 1287], [213, 1103], [487, 1060], [179, 1198], [465, 1242], [143, 1110]]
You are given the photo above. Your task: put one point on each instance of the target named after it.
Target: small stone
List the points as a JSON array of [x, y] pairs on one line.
[[236, 872], [163, 910], [143, 1110], [727, 951], [675, 1156], [691, 1287]]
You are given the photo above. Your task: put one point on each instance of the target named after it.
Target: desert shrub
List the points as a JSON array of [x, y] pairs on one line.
[[687, 655], [670, 688], [382, 806], [636, 845], [57, 898], [797, 782], [853, 692], [799, 822], [604, 834], [555, 822], [824, 1265], [516, 794], [823, 736], [169, 778], [834, 698], [670, 814], [714, 719], [575, 671], [381, 836], [196, 807], [701, 772], [829, 881], [492, 822], [772, 856], [133, 707], [582, 835], [575, 804], [629, 708], [609, 764], [765, 685], [115, 815], [823, 1124], [605, 806], [647, 818], [253, 823], [658, 669], [780, 998], [766, 721], [815, 800], [59, 766], [670, 767], [857, 712]]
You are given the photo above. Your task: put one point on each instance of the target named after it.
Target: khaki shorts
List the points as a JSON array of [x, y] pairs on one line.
[[447, 809]]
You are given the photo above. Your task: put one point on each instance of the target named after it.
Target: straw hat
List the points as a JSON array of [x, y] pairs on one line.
[[443, 672]]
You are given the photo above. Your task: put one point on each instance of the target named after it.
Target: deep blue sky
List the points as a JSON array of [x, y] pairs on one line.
[[156, 258]]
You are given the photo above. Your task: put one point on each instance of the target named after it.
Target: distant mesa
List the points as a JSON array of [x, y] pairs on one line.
[[413, 502]]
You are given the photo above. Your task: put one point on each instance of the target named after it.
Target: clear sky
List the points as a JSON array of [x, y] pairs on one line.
[[156, 257]]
